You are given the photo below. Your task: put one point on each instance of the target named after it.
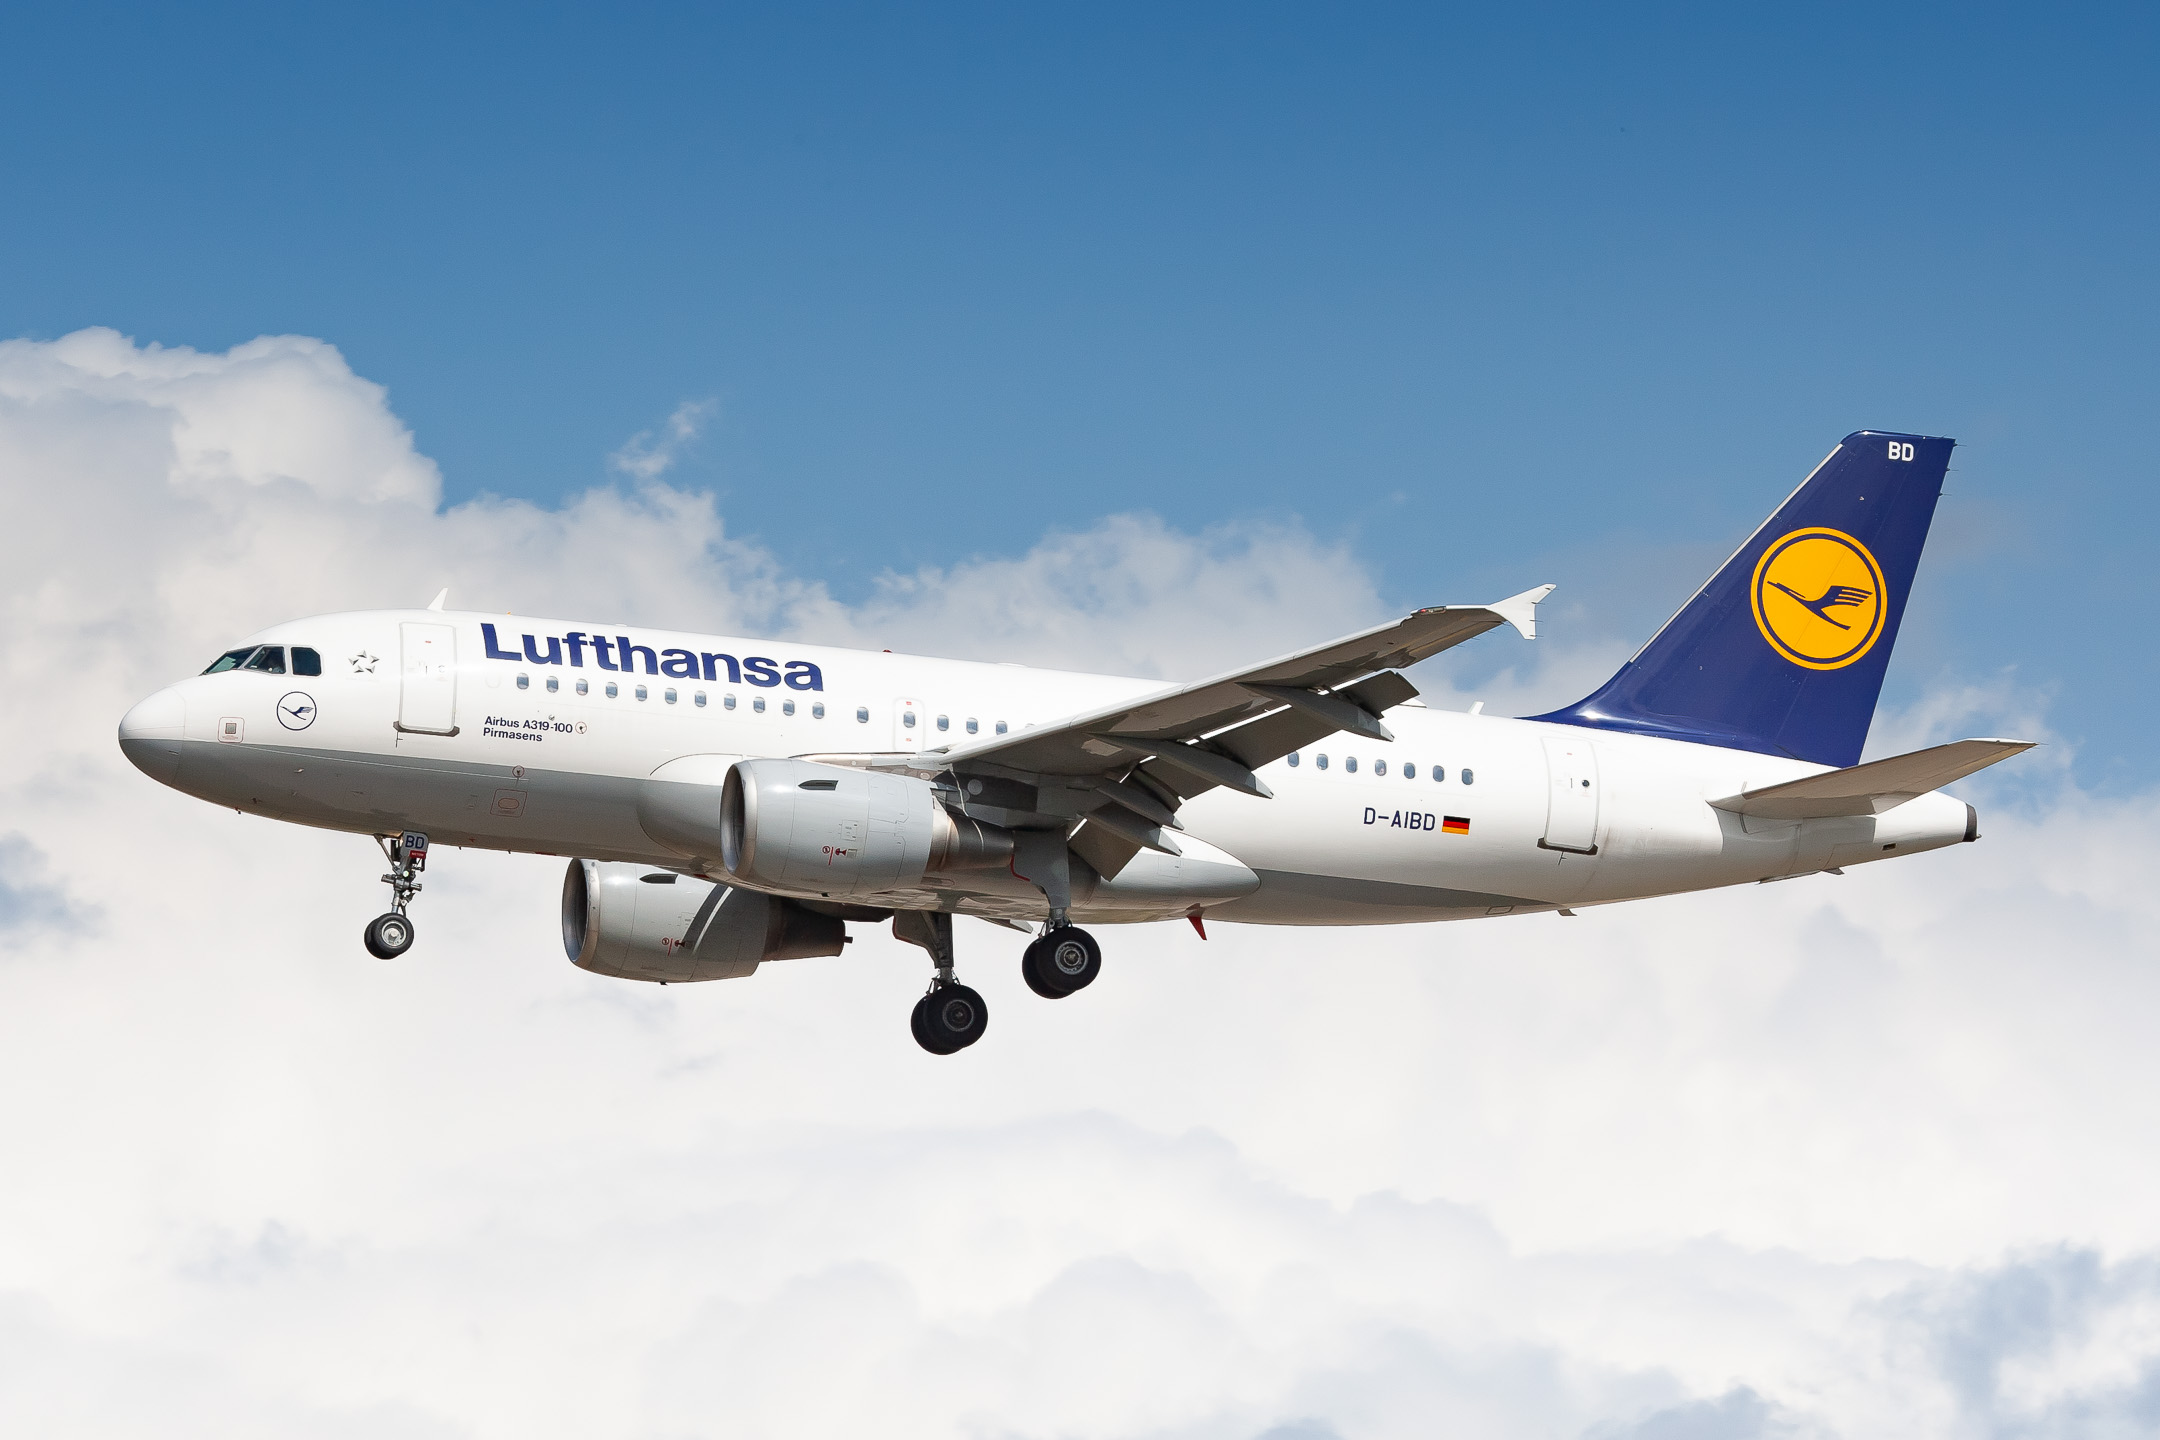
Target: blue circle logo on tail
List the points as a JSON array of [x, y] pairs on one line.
[[1818, 597]]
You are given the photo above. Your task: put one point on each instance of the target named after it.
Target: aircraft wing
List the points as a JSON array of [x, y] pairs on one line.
[[1874, 787], [1128, 766]]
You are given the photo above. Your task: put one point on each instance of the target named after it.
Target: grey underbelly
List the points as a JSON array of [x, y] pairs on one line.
[[1288, 897], [453, 802], [489, 806]]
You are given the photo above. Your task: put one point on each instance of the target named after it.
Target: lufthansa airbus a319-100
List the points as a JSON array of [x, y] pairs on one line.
[[735, 801]]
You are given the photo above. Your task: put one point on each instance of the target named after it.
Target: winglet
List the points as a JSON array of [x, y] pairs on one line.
[[441, 595], [1520, 611]]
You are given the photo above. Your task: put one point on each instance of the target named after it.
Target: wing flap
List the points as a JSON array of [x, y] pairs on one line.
[[1269, 738], [1872, 788], [1107, 851]]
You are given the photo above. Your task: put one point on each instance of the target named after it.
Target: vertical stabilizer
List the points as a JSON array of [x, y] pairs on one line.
[[1784, 649]]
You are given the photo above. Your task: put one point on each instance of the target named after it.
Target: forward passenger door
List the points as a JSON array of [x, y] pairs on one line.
[[427, 697]]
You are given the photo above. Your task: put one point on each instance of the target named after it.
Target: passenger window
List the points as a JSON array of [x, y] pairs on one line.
[[698, 699], [641, 692], [727, 702], [862, 714], [1320, 761], [230, 660], [1409, 770], [1292, 758], [305, 661], [757, 703], [1379, 767], [668, 695], [582, 687], [907, 719], [1349, 764], [1469, 777], [553, 684], [270, 660], [1001, 727], [973, 725], [613, 690], [1439, 773], [524, 682], [817, 709], [787, 707], [943, 723]]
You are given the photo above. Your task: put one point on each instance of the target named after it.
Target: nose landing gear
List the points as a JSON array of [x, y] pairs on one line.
[[390, 935]]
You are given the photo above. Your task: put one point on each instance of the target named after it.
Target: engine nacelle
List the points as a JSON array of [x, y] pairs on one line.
[[795, 825], [639, 923]]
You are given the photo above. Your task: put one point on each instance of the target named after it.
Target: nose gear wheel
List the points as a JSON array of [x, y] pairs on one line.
[[390, 935]]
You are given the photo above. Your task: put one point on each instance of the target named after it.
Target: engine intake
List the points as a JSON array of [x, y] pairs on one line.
[[799, 826], [637, 923]]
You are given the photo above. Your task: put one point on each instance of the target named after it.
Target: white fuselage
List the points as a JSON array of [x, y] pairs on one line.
[[1358, 832]]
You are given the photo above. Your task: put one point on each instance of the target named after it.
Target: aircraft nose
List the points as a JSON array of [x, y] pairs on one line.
[[150, 735]]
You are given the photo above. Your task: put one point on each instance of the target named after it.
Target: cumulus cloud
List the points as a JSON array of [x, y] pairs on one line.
[[1854, 1155], [648, 455], [29, 899]]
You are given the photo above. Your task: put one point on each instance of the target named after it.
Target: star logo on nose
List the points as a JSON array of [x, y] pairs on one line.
[[363, 663]]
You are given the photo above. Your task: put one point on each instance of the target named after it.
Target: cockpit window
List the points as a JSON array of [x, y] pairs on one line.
[[307, 662], [269, 659]]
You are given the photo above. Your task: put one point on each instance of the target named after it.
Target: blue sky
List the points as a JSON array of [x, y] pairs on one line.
[[1562, 294]]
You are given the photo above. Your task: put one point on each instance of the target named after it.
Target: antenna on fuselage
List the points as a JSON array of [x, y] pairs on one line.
[[440, 596]]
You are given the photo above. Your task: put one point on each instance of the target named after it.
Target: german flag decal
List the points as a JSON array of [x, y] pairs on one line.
[[1454, 825]]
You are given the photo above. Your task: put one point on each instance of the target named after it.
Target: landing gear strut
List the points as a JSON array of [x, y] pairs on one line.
[[951, 1016], [390, 935], [1063, 959]]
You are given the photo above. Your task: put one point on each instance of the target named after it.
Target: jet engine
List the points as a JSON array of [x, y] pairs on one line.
[[811, 829], [639, 923]]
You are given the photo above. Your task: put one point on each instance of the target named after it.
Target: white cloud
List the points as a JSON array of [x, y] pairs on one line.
[[1852, 1156], [647, 456]]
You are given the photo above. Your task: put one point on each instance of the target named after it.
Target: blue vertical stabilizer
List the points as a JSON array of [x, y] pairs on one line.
[[1783, 651]]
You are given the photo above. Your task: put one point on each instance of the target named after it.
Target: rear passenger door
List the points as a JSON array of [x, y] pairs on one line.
[[1571, 811]]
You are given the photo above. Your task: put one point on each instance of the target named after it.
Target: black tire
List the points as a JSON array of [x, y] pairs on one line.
[[1038, 979], [388, 936], [951, 1017], [1070, 959], [919, 1023]]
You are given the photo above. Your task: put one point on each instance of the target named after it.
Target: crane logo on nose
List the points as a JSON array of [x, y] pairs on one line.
[[296, 710], [1818, 597]]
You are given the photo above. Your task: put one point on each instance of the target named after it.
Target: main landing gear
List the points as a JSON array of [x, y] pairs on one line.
[[951, 1016], [390, 935], [1061, 961]]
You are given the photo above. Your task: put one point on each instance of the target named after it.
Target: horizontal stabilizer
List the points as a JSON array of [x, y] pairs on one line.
[[1874, 787]]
